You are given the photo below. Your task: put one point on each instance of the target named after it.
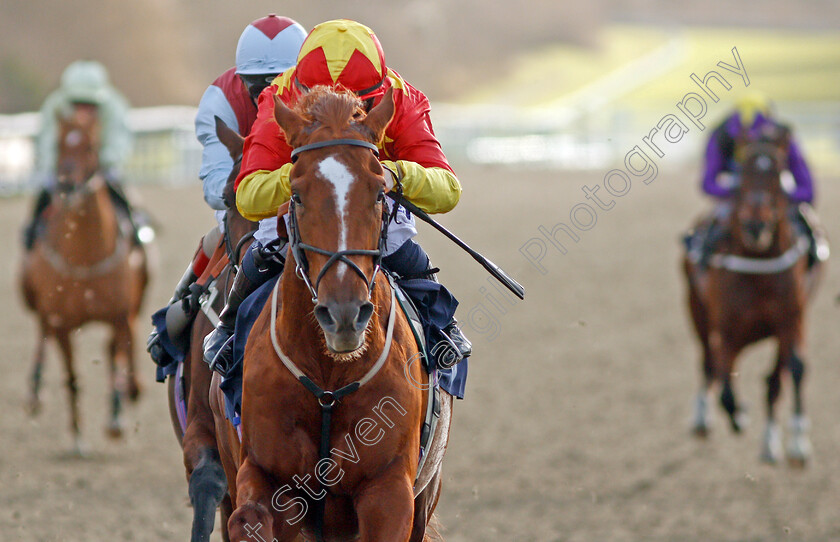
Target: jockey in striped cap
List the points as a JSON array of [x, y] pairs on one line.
[[347, 55]]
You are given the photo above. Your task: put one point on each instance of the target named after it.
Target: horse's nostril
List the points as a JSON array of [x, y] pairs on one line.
[[325, 319], [365, 312], [344, 317]]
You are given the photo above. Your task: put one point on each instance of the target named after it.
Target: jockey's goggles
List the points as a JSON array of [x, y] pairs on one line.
[[256, 83]]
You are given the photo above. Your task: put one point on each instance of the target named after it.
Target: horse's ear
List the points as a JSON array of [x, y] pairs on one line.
[[230, 139], [380, 116], [290, 122]]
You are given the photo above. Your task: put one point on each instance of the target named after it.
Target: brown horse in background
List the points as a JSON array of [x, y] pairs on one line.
[[85, 268], [331, 418], [195, 428], [757, 286]]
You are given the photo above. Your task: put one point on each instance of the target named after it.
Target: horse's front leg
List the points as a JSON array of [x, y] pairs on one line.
[[724, 353], [799, 445], [771, 445], [385, 507], [63, 338], [33, 404], [116, 378], [262, 512]]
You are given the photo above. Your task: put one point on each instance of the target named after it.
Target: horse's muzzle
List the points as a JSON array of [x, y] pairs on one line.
[[344, 324], [758, 234]]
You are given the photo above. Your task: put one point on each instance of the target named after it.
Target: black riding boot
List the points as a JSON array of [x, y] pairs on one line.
[[711, 237], [411, 261], [181, 309], [806, 221], [31, 229], [218, 345], [453, 348]]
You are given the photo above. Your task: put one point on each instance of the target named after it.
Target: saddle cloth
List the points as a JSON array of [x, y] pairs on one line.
[[427, 304]]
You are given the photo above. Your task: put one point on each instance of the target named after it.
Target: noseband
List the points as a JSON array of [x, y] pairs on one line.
[[299, 248]]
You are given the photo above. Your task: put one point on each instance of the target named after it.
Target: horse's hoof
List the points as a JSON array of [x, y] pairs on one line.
[[114, 430], [771, 447], [80, 449], [700, 431], [134, 391], [740, 421], [797, 462], [799, 452], [251, 521], [769, 457]]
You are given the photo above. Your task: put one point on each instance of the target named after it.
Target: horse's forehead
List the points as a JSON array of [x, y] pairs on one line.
[[763, 162], [74, 138], [337, 174]]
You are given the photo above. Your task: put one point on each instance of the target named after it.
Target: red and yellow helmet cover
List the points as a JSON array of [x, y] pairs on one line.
[[343, 54]]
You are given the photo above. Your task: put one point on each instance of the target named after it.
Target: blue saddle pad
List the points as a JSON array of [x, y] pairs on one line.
[[435, 305], [175, 352]]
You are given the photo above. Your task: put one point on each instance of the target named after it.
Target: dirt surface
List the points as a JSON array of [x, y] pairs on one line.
[[575, 425]]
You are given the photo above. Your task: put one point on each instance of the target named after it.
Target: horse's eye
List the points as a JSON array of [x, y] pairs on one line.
[[296, 199], [380, 197]]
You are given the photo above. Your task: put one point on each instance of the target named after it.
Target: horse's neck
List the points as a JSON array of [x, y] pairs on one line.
[[88, 230], [237, 226], [303, 341]]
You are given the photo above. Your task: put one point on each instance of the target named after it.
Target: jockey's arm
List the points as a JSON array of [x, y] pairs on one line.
[[47, 139], [117, 137], [264, 184], [216, 162], [426, 176], [804, 190], [715, 165]]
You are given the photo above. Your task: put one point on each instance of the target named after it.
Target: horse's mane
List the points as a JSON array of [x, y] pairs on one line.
[[330, 108]]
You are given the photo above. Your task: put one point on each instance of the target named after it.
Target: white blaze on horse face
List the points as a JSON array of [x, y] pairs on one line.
[[340, 177], [73, 138]]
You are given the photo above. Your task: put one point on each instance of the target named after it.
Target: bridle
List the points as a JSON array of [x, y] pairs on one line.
[[299, 248]]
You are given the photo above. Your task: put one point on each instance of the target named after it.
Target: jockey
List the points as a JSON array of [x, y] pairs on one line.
[[346, 55], [753, 118], [267, 47], [84, 85]]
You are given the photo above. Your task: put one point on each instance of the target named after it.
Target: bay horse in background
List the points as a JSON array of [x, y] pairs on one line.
[[757, 285], [85, 268], [330, 421], [189, 389]]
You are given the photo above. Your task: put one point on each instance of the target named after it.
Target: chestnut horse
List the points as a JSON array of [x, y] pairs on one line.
[[192, 418], [84, 268], [331, 415], [757, 286]]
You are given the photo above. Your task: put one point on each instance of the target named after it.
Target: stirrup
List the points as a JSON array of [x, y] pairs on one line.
[[452, 348], [218, 355], [155, 348]]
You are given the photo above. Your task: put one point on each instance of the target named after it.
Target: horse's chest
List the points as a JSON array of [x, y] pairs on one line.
[[356, 445], [765, 306]]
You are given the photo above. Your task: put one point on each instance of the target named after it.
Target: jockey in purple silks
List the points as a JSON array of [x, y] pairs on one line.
[[751, 120]]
